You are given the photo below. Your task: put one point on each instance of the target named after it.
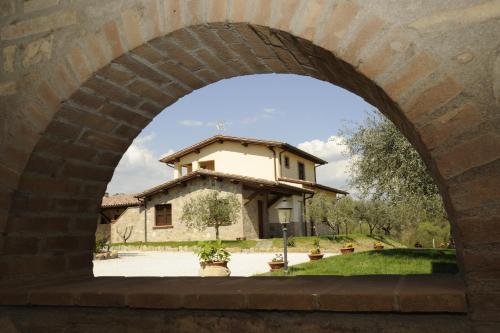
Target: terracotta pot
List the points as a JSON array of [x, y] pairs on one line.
[[217, 268], [346, 250], [275, 265], [315, 256], [378, 248]]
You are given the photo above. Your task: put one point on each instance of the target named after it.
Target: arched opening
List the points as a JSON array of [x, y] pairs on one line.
[[76, 155], [48, 218], [308, 114]]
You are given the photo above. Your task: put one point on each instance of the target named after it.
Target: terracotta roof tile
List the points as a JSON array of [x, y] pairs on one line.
[[218, 138], [244, 179], [120, 200]]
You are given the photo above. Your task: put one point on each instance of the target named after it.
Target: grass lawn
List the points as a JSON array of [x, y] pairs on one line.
[[390, 261], [334, 243], [301, 244]]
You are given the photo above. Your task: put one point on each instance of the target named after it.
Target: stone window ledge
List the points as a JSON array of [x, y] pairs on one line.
[[403, 294], [163, 227]]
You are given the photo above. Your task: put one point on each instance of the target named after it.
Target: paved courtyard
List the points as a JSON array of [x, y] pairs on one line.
[[185, 264]]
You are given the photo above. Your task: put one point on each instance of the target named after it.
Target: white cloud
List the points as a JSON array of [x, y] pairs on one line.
[[139, 169], [191, 123], [266, 113], [335, 173]]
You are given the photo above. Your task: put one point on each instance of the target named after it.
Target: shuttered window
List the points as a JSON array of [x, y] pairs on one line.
[[302, 171], [163, 215]]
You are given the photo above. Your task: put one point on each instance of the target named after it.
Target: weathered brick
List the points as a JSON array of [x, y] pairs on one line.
[[432, 98], [102, 141], [8, 88], [112, 92], [87, 119], [308, 19], [216, 11], [38, 51], [36, 5], [177, 54], [262, 14], [49, 96], [131, 27], [394, 45], [37, 25], [127, 132], [43, 184], [475, 152], [338, 24], [144, 89], [117, 74], [173, 15], [63, 131], [148, 54], [64, 149], [285, 9], [125, 115], [20, 245], [450, 125], [78, 62], [476, 193], [109, 159], [83, 98], [181, 75], [38, 225], [113, 39], [140, 69], [7, 7], [86, 172], [368, 32], [9, 53], [419, 67], [65, 83], [479, 230], [43, 165], [94, 45]]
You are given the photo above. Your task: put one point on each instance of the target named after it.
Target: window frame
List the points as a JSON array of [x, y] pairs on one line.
[[301, 171], [167, 212]]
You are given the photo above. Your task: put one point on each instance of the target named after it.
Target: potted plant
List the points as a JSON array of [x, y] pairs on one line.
[[378, 245], [213, 259], [348, 248], [315, 253], [277, 262]]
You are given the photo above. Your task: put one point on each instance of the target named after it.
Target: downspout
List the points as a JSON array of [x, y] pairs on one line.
[[145, 220], [274, 159]]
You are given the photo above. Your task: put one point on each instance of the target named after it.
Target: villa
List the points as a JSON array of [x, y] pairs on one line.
[[258, 172]]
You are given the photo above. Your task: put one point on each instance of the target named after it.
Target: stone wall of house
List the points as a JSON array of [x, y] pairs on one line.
[[177, 196], [130, 224]]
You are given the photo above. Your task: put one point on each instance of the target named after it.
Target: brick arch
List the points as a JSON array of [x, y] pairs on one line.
[[109, 83]]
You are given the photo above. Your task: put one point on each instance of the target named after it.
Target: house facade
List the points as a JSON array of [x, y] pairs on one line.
[[258, 172]]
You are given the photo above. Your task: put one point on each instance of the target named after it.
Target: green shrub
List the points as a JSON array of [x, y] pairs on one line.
[[101, 245], [291, 242]]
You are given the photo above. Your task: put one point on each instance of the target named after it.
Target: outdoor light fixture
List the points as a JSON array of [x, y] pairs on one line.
[[284, 208]]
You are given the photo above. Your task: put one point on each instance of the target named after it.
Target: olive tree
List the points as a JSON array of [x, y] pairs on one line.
[[211, 209]]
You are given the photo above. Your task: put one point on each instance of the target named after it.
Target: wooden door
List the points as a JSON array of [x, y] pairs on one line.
[[260, 213]]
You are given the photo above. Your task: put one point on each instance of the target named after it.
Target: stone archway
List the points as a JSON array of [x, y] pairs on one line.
[[72, 117]]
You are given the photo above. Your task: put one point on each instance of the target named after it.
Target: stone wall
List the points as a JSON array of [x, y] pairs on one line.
[[134, 216]]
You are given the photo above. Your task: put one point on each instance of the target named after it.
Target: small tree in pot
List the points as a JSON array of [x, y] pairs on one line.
[[213, 259], [277, 262]]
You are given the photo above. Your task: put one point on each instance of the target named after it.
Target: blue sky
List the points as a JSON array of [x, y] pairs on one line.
[[299, 110]]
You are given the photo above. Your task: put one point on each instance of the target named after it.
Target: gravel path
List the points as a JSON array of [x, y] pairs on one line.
[[184, 264]]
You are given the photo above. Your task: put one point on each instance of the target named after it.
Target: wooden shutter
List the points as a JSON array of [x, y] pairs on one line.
[[163, 215]]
